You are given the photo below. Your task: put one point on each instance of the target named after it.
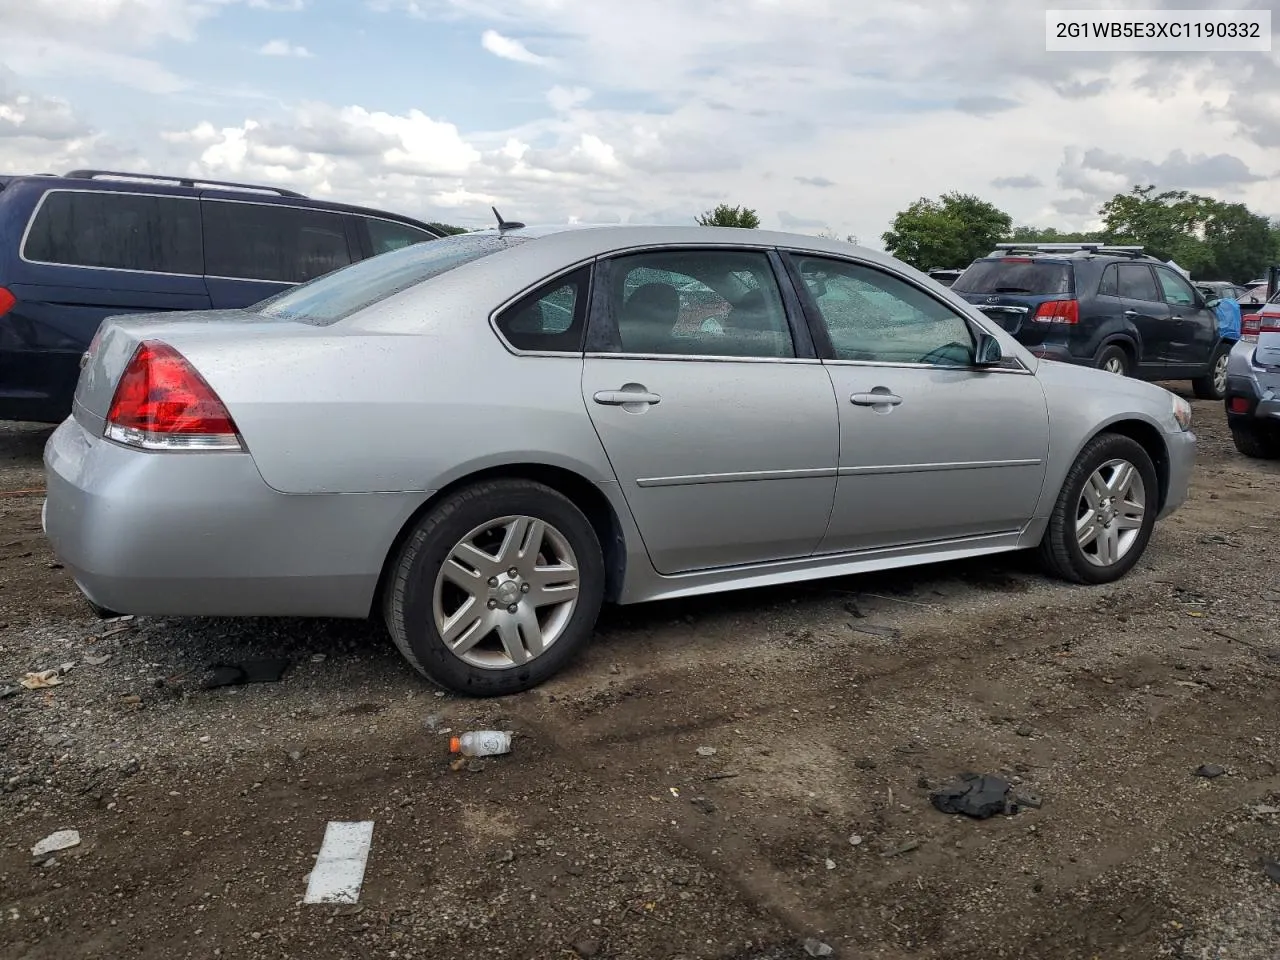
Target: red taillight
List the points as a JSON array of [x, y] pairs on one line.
[[1250, 325], [1269, 323], [162, 403], [7, 300], [1239, 405], [1058, 311]]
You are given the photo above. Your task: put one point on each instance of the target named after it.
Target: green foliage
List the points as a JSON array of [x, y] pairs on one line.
[[448, 228], [952, 231], [727, 216], [1050, 235]]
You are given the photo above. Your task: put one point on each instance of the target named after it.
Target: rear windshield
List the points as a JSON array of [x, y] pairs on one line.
[[339, 294], [1014, 276]]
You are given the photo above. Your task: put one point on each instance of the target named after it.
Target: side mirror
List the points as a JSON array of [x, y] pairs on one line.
[[1212, 302], [987, 352]]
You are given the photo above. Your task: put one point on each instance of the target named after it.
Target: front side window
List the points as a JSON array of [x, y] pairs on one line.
[[875, 317], [385, 235], [1136, 282], [260, 241], [336, 296], [119, 231], [1176, 290], [553, 317], [698, 303]]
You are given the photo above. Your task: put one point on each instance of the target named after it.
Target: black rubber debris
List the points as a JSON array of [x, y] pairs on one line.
[[248, 671], [977, 795]]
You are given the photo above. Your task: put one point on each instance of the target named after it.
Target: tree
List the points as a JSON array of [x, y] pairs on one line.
[[1052, 235], [727, 216], [952, 231], [448, 228]]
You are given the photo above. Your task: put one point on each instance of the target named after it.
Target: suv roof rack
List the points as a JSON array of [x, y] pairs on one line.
[[1087, 249], [180, 181]]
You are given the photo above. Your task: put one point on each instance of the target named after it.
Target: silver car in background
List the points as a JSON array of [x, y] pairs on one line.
[[485, 437]]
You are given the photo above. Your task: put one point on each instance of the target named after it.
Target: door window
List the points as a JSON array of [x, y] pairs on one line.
[[698, 303], [387, 235], [875, 317], [1110, 283], [259, 241], [119, 231], [1176, 290], [552, 317], [1136, 282]]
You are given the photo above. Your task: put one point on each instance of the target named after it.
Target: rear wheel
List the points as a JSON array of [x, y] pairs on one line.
[[1105, 512], [1213, 386], [496, 589], [1255, 442], [1113, 359]]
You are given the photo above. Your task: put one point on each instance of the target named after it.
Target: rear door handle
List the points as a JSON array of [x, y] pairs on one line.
[[616, 398], [1131, 314], [875, 399]]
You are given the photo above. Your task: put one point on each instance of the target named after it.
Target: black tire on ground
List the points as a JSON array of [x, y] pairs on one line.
[[1255, 442], [1114, 354], [1060, 551], [408, 600], [1206, 387]]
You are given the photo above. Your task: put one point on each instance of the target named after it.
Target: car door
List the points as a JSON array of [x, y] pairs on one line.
[[254, 250], [1193, 326], [1144, 307], [932, 448], [718, 420]]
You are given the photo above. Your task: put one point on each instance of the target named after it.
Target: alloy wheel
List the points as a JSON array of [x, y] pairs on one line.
[[1220, 374], [1110, 512]]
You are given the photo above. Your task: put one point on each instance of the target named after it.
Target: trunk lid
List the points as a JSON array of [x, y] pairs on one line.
[[1010, 290]]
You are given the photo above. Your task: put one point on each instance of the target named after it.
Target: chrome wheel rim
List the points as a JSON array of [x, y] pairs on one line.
[[1220, 374], [1110, 512], [1114, 365], [506, 592]]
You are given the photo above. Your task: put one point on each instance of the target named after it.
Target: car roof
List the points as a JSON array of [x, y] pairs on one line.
[[126, 182]]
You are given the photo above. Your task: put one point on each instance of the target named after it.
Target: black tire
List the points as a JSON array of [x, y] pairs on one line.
[[409, 598], [1060, 551], [1114, 354], [1256, 443], [1207, 387]]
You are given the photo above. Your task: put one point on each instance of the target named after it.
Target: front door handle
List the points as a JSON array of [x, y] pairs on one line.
[[618, 398], [874, 399]]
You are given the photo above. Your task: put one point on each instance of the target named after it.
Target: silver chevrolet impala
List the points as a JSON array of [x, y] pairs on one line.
[[483, 438]]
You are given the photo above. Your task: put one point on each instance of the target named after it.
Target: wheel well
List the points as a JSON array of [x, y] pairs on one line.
[[1151, 441], [1125, 344], [584, 494]]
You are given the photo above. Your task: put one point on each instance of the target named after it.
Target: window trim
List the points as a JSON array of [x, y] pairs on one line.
[[602, 327], [1196, 301], [822, 340], [354, 249], [31, 220], [589, 264]]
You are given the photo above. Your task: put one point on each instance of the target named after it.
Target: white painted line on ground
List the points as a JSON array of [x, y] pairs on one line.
[[339, 869]]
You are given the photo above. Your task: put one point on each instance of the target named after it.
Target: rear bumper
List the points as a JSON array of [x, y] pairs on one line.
[[1247, 401], [1181, 447], [201, 534]]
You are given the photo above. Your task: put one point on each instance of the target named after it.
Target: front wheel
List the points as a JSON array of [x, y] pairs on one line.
[[1104, 514], [496, 589], [1213, 386]]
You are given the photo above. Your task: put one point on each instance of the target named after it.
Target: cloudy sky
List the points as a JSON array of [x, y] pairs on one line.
[[821, 114]]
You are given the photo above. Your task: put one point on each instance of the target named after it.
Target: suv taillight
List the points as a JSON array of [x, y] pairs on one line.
[[7, 300], [1250, 327], [162, 403], [1058, 311]]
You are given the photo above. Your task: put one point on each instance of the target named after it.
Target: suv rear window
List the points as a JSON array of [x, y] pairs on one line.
[[118, 231], [1014, 276], [277, 242], [338, 295]]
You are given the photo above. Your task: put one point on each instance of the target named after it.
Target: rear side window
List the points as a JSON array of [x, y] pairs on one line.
[[552, 317], [332, 298], [258, 241], [1136, 282], [386, 235], [1015, 276], [117, 231], [1109, 286]]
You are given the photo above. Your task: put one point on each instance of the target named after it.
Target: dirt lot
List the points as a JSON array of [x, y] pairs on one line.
[[832, 707]]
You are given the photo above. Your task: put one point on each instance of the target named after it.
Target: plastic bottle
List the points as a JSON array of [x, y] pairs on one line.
[[481, 743]]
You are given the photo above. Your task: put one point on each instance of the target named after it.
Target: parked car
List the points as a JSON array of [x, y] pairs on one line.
[[77, 248], [945, 277], [1253, 384], [1224, 290], [484, 437], [1107, 307]]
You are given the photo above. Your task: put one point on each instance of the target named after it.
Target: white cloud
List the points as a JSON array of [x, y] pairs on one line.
[[509, 49], [563, 99], [283, 48]]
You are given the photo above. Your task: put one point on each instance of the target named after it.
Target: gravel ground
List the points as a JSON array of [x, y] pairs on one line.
[[833, 708]]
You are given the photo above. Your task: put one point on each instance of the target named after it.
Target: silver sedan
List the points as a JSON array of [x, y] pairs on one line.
[[483, 438]]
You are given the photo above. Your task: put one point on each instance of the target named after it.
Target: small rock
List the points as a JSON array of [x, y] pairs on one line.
[[704, 804], [319, 657], [587, 948], [296, 754], [206, 738], [61, 840], [924, 783], [130, 766], [855, 840], [1025, 798], [865, 763], [1210, 770], [507, 856], [10, 691], [816, 948], [831, 864], [706, 751], [1024, 730], [573, 870], [475, 766], [97, 661]]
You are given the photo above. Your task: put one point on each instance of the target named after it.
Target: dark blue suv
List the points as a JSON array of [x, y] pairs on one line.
[[1108, 307], [78, 248]]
